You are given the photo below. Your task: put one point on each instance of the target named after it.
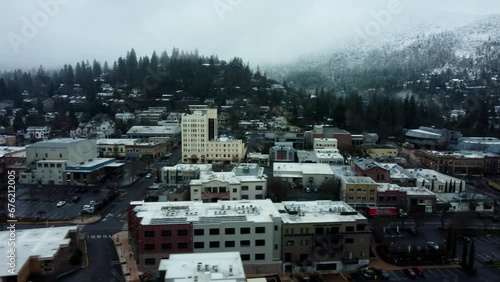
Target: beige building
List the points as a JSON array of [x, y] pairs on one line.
[[360, 191], [201, 142], [324, 236]]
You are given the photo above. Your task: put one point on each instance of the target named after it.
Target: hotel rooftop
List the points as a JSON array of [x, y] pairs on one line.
[[161, 213], [317, 211]]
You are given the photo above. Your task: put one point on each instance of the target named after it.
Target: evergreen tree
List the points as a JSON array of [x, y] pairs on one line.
[[18, 123], [3, 89], [96, 69]]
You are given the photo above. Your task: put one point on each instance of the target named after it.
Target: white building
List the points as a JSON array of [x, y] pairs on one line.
[[94, 129], [65, 161], [310, 175], [325, 143], [437, 182], [251, 227], [245, 182], [201, 142], [172, 130], [124, 116], [183, 173], [37, 132], [217, 266]]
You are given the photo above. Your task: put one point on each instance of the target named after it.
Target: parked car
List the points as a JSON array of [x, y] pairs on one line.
[[61, 203], [93, 203], [308, 189], [369, 273], [384, 274], [75, 199], [168, 155], [418, 271], [149, 175], [433, 245], [410, 273]]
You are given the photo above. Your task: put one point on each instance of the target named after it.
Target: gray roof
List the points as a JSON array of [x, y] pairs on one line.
[[366, 164]]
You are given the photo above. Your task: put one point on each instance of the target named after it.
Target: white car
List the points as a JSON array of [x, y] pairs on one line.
[[433, 245], [149, 175], [61, 203]]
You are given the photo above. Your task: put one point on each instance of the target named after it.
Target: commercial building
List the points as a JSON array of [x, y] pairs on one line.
[[324, 143], [258, 158], [472, 163], [183, 173], [245, 182], [114, 148], [372, 169], [253, 228], [437, 182], [432, 137], [65, 161], [411, 199], [145, 133], [358, 191], [201, 142], [323, 156], [400, 176], [484, 144], [11, 156], [282, 153], [310, 175], [217, 266], [323, 236], [40, 253], [343, 137], [381, 150]]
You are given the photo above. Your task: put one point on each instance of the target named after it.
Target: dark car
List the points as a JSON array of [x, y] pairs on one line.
[[75, 199], [418, 271], [369, 273], [410, 273], [384, 274]]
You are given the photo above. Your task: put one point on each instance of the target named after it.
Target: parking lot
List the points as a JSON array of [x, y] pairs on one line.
[[431, 275], [487, 248], [41, 202]]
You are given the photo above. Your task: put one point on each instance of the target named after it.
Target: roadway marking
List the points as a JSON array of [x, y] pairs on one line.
[[104, 219], [98, 236], [430, 271], [92, 236], [441, 272], [451, 272], [461, 273]]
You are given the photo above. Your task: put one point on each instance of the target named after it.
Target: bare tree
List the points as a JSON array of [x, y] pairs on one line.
[[277, 189], [332, 187]]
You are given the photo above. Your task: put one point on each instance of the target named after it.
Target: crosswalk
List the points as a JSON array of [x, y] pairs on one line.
[[97, 237]]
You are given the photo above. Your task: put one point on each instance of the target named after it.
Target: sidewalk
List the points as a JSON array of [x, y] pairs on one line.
[[77, 220], [126, 256]]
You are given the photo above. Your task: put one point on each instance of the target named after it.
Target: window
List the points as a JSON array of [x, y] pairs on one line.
[[244, 188], [289, 231], [276, 228], [259, 197], [362, 240], [349, 229], [260, 242], [199, 232], [290, 243], [182, 246], [304, 242], [214, 231], [149, 233], [258, 187], [230, 231], [349, 240], [362, 253], [229, 244], [244, 197], [182, 232], [260, 230], [149, 261], [245, 243], [304, 230], [214, 244], [245, 257], [166, 233], [149, 247], [166, 246], [235, 190], [245, 230], [260, 256]]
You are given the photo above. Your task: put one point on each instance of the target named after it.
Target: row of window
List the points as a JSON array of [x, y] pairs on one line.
[[165, 246], [244, 257], [229, 244], [166, 233], [49, 165], [359, 190], [359, 198], [229, 231]]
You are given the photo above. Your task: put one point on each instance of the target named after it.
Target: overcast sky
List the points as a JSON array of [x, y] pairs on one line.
[[259, 31]]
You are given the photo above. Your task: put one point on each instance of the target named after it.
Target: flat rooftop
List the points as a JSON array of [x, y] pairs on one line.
[[358, 180], [57, 143], [6, 150], [298, 169], [203, 267], [317, 211], [154, 129], [411, 191], [430, 174], [397, 171], [160, 213], [189, 167], [117, 141], [43, 243], [462, 154], [92, 165]]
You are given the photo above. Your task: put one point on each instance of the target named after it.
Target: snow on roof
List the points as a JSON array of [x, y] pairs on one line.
[[160, 213], [117, 141], [203, 267], [43, 243], [57, 143], [419, 133], [358, 180], [301, 168], [324, 211], [397, 171], [411, 191], [462, 154], [6, 150], [156, 129], [189, 167], [430, 174]]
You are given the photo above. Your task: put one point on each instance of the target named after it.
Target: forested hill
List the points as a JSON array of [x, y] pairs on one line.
[[393, 60]]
